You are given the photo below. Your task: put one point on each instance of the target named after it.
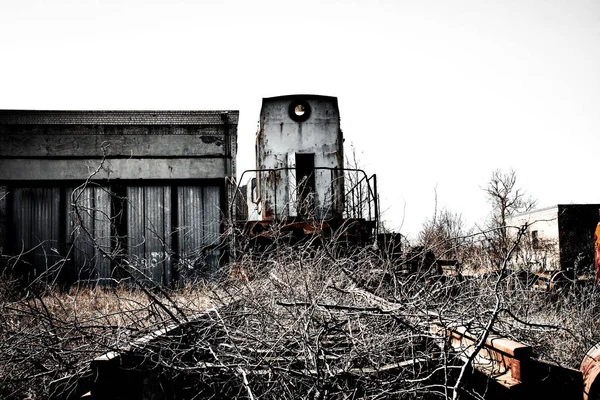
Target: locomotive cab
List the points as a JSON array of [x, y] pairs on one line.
[[300, 179]]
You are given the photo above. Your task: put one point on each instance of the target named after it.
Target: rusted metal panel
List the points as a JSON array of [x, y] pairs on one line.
[[88, 212], [590, 368], [498, 357], [199, 227], [274, 194], [323, 203], [292, 187], [36, 221], [511, 366], [597, 250], [149, 233]]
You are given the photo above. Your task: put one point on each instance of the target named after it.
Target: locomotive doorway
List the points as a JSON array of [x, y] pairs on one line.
[[305, 183]]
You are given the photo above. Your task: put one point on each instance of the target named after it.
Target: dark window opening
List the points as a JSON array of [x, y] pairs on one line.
[[535, 240], [253, 190]]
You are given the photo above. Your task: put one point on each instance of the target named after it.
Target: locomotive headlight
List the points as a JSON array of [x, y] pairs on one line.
[[299, 110]]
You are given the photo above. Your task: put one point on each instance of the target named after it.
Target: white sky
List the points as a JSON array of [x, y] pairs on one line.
[[433, 94]]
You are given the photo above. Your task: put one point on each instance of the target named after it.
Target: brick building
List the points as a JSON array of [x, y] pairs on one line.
[[84, 193]]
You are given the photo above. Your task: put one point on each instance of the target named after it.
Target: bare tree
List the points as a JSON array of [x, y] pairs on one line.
[[506, 199], [445, 234]]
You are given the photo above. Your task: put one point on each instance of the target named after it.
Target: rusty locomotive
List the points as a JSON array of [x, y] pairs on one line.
[[301, 182]]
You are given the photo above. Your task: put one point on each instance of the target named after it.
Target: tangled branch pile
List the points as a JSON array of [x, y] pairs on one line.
[[313, 321]]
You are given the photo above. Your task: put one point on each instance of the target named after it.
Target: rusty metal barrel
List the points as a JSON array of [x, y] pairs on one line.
[[590, 368]]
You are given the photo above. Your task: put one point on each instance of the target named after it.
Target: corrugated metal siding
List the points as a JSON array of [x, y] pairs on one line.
[[37, 227], [83, 220], [89, 231], [212, 225], [149, 233], [199, 221]]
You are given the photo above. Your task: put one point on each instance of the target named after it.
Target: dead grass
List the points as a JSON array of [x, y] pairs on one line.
[[299, 304], [49, 336]]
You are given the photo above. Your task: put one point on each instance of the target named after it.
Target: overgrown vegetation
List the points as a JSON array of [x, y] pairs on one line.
[[319, 318]]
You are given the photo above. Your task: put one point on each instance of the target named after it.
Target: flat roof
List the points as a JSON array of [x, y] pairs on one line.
[[555, 207], [116, 117]]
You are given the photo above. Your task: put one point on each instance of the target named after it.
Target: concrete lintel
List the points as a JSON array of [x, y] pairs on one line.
[[87, 145], [131, 168]]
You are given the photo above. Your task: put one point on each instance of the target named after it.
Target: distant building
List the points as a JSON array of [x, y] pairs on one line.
[[558, 237], [82, 189]]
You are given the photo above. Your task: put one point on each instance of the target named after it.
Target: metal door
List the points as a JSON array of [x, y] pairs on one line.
[[89, 232], [149, 233], [199, 227], [36, 223]]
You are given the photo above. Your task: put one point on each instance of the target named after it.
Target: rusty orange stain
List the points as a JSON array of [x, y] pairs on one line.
[[597, 250], [590, 368]]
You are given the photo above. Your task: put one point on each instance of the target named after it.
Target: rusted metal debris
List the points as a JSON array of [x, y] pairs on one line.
[[215, 354], [502, 368], [590, 368], [511, 370], [597, 250]]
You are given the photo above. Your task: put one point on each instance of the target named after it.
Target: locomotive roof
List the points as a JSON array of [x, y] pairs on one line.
[[303, 96]]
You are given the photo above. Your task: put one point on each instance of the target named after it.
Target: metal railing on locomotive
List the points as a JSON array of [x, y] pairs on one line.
[[359, 197]]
